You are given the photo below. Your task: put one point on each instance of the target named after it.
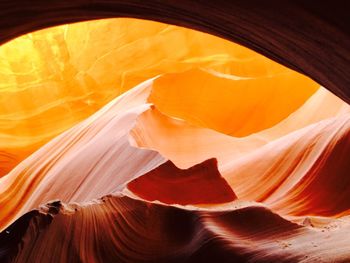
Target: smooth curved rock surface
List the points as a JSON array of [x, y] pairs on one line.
[[219, 154], [122, 232]]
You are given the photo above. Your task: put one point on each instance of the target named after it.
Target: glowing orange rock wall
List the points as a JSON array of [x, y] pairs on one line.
[[166, 145], [54, 78]]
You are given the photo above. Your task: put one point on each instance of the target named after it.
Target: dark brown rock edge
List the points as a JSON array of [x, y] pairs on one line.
[[122, 229]]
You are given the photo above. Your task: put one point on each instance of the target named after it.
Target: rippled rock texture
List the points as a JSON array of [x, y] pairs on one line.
[[127, 140]]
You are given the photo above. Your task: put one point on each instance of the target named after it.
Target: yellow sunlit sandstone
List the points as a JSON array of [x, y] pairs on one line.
[[235, 106], [54, 78]]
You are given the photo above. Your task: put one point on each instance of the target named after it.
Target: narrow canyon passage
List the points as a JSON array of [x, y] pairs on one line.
[[129, 140]]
